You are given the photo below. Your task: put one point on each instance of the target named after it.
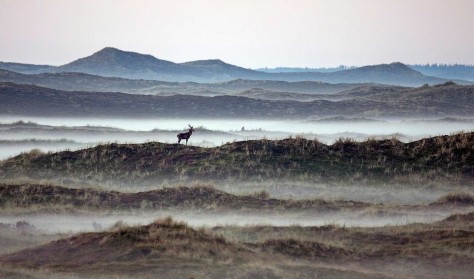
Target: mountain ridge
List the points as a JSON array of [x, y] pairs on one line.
[[112, 62]]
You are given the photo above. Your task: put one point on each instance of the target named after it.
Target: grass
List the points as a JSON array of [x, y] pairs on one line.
[[443, 159]]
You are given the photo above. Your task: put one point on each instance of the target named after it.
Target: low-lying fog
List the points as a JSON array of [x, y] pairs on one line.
[[69, 223], [216, 132], [10, 150], [385, 127]]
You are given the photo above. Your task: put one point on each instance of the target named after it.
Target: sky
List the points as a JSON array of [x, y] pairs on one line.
[[248, 33]]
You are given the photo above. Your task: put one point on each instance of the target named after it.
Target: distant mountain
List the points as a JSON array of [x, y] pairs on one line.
[[24, 68], [429, 101], [112, 62]]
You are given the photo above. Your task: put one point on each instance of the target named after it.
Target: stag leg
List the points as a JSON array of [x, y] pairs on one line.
[[186, 141], [179, 141]]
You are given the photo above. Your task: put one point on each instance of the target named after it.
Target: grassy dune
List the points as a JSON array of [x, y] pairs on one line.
[[58, 198], [443, 159], [275, 252], [203, 197]]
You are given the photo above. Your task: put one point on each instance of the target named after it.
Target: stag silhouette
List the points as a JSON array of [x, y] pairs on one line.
[[186, 135]]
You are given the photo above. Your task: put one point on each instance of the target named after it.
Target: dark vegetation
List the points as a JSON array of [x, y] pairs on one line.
[[429, 101], [443, 159]]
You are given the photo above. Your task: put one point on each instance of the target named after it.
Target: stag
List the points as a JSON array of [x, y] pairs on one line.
[[186, 135]]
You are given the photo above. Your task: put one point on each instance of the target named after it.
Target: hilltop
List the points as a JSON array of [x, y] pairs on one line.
[[112, 62], [449, 159]]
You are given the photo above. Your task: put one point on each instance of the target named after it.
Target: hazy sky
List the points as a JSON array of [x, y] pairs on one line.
[[249, 33]]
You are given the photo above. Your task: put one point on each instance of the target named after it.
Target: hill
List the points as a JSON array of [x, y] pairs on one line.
[[112, 62], [86, 82], [438, 101], [448, 159]]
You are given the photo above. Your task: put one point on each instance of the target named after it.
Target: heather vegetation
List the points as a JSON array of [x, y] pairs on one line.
[[447, 159]]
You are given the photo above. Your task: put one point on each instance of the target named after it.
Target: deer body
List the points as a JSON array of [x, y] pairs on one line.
[[186, 135]]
